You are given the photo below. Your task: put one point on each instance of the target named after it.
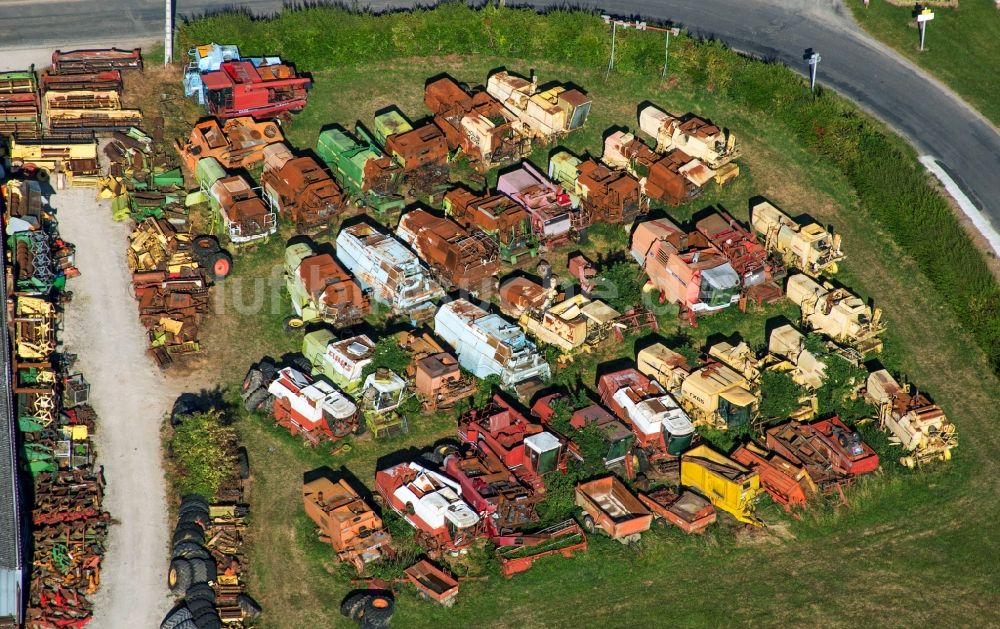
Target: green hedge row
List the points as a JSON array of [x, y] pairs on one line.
[[891, 186]]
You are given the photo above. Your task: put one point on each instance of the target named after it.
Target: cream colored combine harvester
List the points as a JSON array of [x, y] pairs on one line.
[[787, 354], [809, 248], [837, 313], [911, 420], [712, 146], [714, 395]]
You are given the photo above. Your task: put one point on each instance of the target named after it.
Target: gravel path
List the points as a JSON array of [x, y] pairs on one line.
[[131, 398]]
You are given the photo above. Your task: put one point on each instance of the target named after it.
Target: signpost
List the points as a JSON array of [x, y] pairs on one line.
[[925, 16], [813, 59]]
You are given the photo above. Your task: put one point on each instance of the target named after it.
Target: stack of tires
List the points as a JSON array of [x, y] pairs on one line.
[[371, 609], [205, 250], [192, 570]]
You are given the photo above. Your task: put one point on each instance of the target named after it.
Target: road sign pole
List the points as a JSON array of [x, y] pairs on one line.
[[923, 17], [611, 62], [923, 29], [168, 34], [666, 53], [813, 60]]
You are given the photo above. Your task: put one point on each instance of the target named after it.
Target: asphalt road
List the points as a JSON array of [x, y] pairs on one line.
[[936, 121]]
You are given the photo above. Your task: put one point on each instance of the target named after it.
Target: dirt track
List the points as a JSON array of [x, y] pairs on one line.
[[131, 398]]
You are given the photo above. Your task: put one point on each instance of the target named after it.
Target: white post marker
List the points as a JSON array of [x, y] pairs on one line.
[[813, 60], [923, 18], [666, 48], [168, 34]]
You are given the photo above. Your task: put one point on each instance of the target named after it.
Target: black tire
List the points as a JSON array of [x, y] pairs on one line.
[[193, 507], [190, 550], [194, 516], [176, 616], [219, 265], [243, 462], [445, 449], [432, 458], [293, 324], [204, 244], [589, 525], [195, 499], [179, 576], [200, 591], [379, 608], [187, 624], [199, 607], [255, 401], [203, 570], [301, 363], [353, 605], [253, 381], [188, 532], [248, 606], [209, 620]]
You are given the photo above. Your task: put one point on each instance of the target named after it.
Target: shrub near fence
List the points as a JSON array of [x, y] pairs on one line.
[[891, 186]]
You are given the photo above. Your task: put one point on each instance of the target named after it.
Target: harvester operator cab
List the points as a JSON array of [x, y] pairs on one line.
[[544, 451], [736, 407]]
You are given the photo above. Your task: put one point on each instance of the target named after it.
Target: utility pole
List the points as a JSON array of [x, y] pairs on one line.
[[611, 62], [168, 34], [925, 16], [666, 47], [813, 59]]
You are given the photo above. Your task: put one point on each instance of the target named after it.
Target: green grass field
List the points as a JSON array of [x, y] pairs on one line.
[[961, 45], [908, 549]]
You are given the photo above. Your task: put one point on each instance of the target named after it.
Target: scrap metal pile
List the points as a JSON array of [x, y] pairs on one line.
[[68, 524]]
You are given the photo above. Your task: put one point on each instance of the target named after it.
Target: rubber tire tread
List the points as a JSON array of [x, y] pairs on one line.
[[353, 604], [176, 616], [183, 575]]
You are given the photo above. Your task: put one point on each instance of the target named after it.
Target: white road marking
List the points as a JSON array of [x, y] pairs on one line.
[[982, 224]]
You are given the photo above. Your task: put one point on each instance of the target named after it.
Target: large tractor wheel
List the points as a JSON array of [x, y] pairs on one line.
[[256, 400], [200, 591], [301, 363], [220, 265], [293, 324], [179, 576], [379, 609], [176, 617], [353, 605], [253, 381], [249, 607]]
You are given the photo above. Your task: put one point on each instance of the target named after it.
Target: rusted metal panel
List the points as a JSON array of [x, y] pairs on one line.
[[553, 217], [88, 61], [496, 215], [458, 258], [237, 143], [304, 191]]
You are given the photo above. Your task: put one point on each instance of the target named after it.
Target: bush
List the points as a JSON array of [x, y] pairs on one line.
[[390, 355], [779, 395], [204, 453]]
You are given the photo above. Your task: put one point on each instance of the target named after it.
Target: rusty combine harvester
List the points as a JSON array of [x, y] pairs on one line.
[[828, 450], [809, 248], [685, 268], [98, 60], [705, 143], [554, 219], [467, 261], [238, 88], [912, 421], [837, 313], [346, 522], [501, 500], [607, 196], [496, 215], [672, 179], [300, 189], [476, 124], [748, 257], [547, 114], [421, 151], [320, 289], [392, 272], [236, 143]]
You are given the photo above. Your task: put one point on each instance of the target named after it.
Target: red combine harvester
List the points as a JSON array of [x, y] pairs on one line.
[[759, 274], [661, 427], [311, 408], [503, 502], [788, 485], [616, 435], [525, 448], [238, 88], [829, 451], [432, 503]]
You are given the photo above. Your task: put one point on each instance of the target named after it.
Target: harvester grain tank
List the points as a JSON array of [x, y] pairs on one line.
[[911, 420], [245, 215], [685, 269], [440, 383], [238, 88], [837, 313], [696, 136], [655, 417], [487, 344], [476, 124], [809, 248], [236, 143], [432, 504], [301, 190], [304, 406], [609, 506], [730, 486], [524, 447], [457, 257], [496, 215], [714, 395], [554, 219], [361, 168], [320, 289], [346, 522], [546, 114], [421, 151], [392, 272], [830, 451], [748, 257], [607, 196], [341, 361]]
